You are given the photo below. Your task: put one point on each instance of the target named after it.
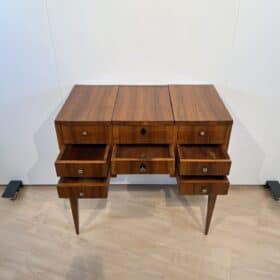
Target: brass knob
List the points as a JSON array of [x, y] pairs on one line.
[[82, 194], [80, 171], [202, 133], [84, 133], [204, 169], [143, 131], [204, 190], [142, 168]]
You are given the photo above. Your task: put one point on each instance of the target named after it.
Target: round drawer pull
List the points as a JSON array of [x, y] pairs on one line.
[[82, 194], [204, 169], [84, 133], [202, 133], [80, 171], [204, 190], [143, 168], [143, 131]]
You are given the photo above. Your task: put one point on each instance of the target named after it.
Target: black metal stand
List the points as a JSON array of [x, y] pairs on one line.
[[274, 187], [12, 189]]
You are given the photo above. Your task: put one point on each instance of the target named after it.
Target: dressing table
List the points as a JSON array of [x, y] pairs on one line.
[[180, 130]]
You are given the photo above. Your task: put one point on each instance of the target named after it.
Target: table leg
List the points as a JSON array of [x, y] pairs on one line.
[[74, 202], [210, 208]]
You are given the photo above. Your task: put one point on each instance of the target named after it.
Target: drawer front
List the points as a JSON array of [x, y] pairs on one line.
[[202, 134], [134, 134], [83, 192], [86, 134], [200, 186], [79, 169], [204, 168], [142, 167]]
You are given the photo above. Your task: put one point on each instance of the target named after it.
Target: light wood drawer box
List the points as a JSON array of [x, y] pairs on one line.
[[202, 185], [143, 134], [83, 161], [143, 159], [86, 134], [202, 160], [83, 188], [202, 134]]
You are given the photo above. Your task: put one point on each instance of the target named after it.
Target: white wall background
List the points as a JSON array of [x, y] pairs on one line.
[[47, 46]]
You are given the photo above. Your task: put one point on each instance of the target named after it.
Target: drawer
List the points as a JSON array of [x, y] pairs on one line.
[[143, 159], [149, 134], [203, 160], [202, 134], [86, 134], [83, 161], [202, 185], [83, 187]]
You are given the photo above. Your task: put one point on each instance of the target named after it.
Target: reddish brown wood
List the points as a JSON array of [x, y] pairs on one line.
[[143, 104], [86, 134], [203, 160], [198, 103], [143, 134], [210, 209], [202, 134], [89, 104], [74, 202]]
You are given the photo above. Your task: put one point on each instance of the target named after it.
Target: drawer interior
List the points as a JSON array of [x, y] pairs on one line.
[[84, 182], [84, 153], [143, 152], [202, 152]]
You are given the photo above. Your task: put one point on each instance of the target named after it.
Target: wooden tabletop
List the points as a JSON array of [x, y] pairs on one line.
[[89, 103], [143, 104], [197, 103]]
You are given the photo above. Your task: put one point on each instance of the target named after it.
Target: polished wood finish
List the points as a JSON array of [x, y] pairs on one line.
[[203, 185], [74, 203], [143, 104], [210, 208], [203, 160], [86, 134], [83, 161], [143, 134], [198, 103], [202, 134], [143, 159], [103, 131], [88, 104]]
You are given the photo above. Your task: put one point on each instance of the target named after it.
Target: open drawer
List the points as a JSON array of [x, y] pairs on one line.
[[83, 161], [202, 185], [203, 160], [143, 159], [83, 187]]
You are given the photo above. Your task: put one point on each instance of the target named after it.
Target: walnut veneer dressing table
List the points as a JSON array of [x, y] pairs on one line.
[[180, 130]]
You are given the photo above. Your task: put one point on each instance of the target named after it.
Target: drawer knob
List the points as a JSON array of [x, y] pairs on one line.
[[82, 194], [142, 168], [143, 131], [84, 133], [204, 169], [202, 133], [204, 190], [80, 171]]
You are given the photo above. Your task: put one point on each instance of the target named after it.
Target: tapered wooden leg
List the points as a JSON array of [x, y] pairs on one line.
[[75, 211], [210, 209]]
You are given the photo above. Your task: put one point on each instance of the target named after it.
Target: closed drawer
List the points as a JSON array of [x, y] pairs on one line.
[[143, 159], [202, 134], [83, 188], [149, 134], [86, 134], [83, 161], [202, 185], [203, 160]]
